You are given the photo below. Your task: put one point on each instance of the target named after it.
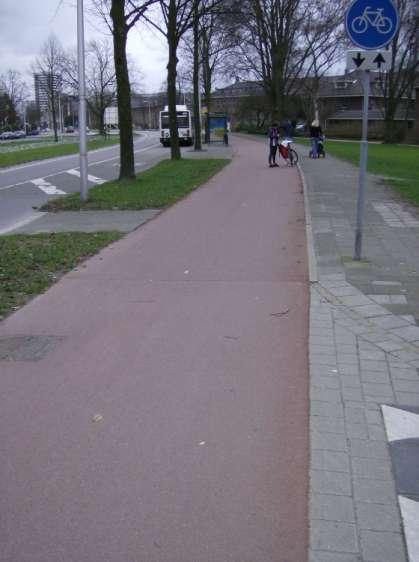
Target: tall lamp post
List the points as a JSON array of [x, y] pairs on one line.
[[82, 102]]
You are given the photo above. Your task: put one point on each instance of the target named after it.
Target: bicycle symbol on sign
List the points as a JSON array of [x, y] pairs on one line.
[[373, 18]]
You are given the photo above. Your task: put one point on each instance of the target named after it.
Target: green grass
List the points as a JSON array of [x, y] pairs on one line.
[[155, 188], [399, 164], [29, 264], [21, 155]]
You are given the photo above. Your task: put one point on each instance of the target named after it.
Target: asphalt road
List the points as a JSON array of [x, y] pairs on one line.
[[30, 185]]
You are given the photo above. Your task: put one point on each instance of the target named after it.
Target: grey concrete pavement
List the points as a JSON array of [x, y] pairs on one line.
[[364, 360], [153, 404]]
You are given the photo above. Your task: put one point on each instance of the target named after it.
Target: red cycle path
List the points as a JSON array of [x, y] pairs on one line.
[[170, 422]]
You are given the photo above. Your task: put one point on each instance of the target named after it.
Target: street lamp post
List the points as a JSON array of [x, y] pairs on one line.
[[82, 101]]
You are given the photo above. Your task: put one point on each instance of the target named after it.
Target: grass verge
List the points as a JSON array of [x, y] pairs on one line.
[[398, 164], [158, 187], [50, 151], [29, 264]]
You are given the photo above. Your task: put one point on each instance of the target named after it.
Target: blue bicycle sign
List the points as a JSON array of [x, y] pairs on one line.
[[371, 24]]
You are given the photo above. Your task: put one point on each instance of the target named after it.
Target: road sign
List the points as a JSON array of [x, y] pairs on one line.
[[368, 60], [371, 24]]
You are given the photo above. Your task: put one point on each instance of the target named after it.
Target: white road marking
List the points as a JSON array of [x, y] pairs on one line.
[[10, 186], [400, 424], [47, 187], [410, 516], [22, 222], [91, 178]]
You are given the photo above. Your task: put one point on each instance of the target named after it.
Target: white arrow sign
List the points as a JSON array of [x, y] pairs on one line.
[[368, 60]]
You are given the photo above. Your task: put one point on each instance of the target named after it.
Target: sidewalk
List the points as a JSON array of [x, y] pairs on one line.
[[154, 404], [364, 353]]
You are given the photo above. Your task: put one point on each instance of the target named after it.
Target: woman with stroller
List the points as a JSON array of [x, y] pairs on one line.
[[316, 135]]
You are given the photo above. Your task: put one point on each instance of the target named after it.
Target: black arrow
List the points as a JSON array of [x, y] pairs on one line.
[[379, 60], [359, 60]]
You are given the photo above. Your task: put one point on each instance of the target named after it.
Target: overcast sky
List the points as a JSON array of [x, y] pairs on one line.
[[26, 24]]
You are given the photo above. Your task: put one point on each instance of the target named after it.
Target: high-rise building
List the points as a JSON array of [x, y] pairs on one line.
[[45, 83]]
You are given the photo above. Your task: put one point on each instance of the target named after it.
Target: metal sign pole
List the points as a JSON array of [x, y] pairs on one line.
[[82, 102], [362, 168]]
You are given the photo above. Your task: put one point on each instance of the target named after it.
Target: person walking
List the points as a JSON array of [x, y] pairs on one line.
[[273, 135], [315, 134]]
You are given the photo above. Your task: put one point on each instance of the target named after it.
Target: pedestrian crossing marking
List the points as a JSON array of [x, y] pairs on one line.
[[91, 178], [47, 187]]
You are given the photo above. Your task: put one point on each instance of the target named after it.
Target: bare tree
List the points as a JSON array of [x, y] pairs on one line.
[[12, 84], [100, 78], [282, 41], [49, 65], [323, 36], [121, 16], [398, 82]]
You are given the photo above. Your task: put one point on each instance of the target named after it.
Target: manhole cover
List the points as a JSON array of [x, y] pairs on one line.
[[27, 348]]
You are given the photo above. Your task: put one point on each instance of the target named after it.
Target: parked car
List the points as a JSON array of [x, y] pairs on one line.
[[6, 135], [19, 134], [69, 129]]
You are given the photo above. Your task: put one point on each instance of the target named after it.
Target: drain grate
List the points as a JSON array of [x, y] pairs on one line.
[[27, 348]]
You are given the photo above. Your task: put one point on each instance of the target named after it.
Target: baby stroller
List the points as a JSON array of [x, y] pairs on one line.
[[320, 149]]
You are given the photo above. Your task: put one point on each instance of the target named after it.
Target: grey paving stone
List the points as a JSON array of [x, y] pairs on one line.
[[369, 449], [326, 482], [357, 430], [325, 394], [327, 425], [355, 300], [328, 441], [326, 409], [347, 358], [323, 370], [372, 355], [408, 333], [378, 517], [374, 417], [316, 350], [354, 414], [381, 377], [316, 359], [401, 385], [377, 433], [371, 468], [352, 394], [333, 535], [406, 374], [345, 369], [332, 508], [322, 556], [381, 546], [407, 399], [376, 389], [390, 345], [375, 491], [318, 381], [368, 365], [350, 381], [371, 310], [337, 461]]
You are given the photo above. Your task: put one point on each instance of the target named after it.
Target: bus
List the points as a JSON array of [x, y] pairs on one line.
[[184, 126]]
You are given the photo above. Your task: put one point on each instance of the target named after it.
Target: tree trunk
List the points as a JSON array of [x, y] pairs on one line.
[[123, 89], [196, 93], [207, 94], [171, 80]]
